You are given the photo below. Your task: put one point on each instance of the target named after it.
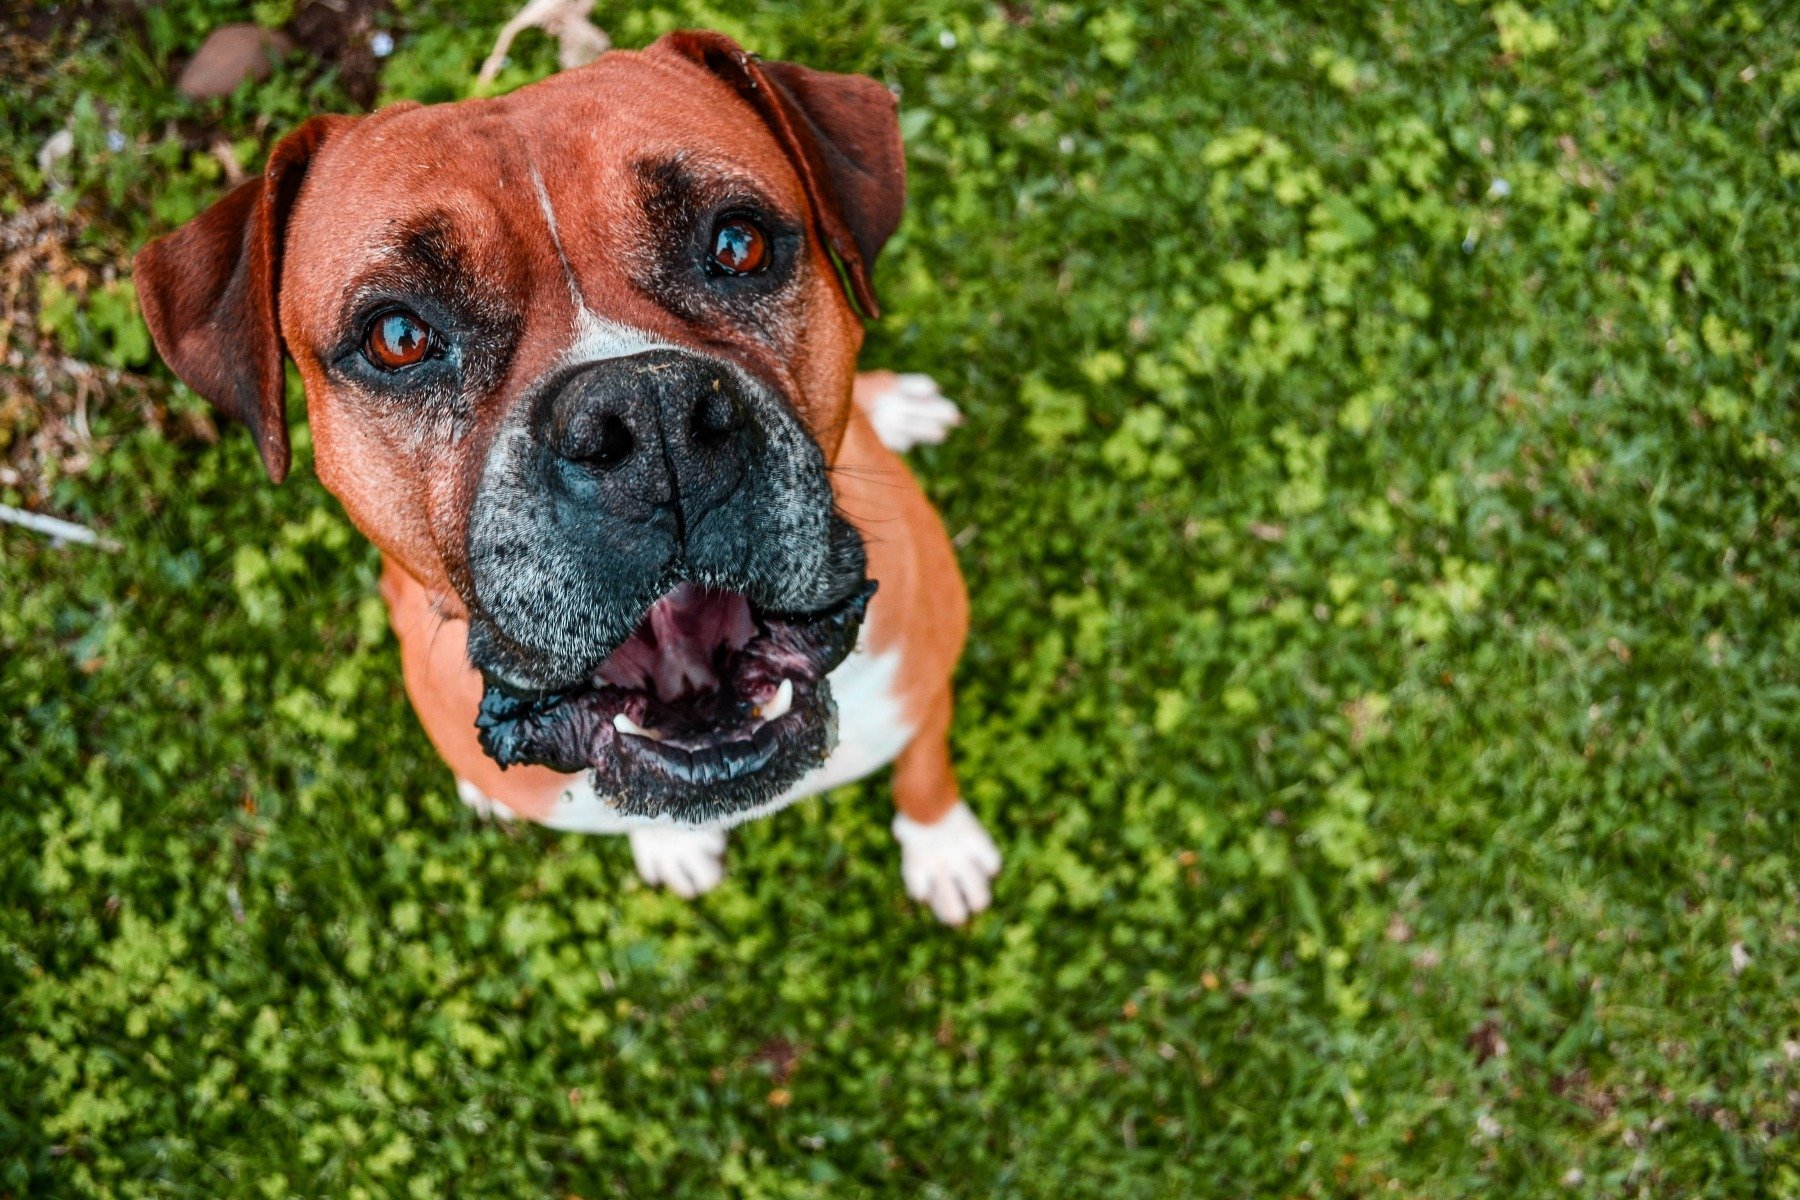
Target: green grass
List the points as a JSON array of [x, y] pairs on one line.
[[1382, 681]]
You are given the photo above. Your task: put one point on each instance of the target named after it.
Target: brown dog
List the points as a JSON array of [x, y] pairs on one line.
[[580, 362]]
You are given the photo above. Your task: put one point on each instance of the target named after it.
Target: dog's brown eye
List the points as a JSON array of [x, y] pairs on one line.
[[739, 247], [397, 339]]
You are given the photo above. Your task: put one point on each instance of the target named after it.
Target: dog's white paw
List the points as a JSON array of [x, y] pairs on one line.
[[910, 411], [478, 800], [948, 863], [689, 862]]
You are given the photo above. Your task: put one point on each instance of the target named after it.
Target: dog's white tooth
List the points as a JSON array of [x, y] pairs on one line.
[[784, 700], [625, 724]]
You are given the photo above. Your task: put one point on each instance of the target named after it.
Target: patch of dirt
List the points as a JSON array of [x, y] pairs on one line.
[[1579, 1088], [338, 33], [50, 401], [47, 24], [46, 396], [1486, 1041], [781, 1056]]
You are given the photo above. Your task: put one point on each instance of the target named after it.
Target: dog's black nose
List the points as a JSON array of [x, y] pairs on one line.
[[663, 430]]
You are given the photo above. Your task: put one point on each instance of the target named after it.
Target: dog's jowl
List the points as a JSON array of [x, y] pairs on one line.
[[580, 361]]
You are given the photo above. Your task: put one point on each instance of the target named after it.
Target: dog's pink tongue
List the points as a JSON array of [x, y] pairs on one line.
[[672, 652]]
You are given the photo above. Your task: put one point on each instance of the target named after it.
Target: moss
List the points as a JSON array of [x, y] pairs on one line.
[[1377, 498]]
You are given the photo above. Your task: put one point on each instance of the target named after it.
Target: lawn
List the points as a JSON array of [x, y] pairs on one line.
[[1378, 498]]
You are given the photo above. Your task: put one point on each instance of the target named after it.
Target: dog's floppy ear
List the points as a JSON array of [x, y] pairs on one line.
[[840, 132], [208, 292]]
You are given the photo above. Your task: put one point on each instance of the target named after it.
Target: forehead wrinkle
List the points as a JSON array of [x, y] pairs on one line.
[[522, 141], [562, 256], [421, 252], [426, 241], [591, 337], [697, 177]]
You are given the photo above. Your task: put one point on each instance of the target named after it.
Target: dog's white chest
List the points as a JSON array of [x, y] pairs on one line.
[[872, 724], [872, 730]]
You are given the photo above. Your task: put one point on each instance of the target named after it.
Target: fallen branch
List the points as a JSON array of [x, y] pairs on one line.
[[55, 528], [578, 40]]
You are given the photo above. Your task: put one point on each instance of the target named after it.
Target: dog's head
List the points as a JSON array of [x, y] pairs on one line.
[[578, 358]]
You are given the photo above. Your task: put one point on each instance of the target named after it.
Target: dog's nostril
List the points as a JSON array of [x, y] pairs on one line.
[[717, 414], [613, 445]]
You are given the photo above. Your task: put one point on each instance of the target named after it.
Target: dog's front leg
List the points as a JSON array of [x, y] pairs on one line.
[[946, 855], [689, 862]]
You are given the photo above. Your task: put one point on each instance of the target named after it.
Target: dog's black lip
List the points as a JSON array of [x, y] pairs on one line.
[[726, 760]]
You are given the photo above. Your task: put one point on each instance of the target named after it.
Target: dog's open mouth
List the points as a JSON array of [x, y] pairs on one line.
[[711, 707]]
